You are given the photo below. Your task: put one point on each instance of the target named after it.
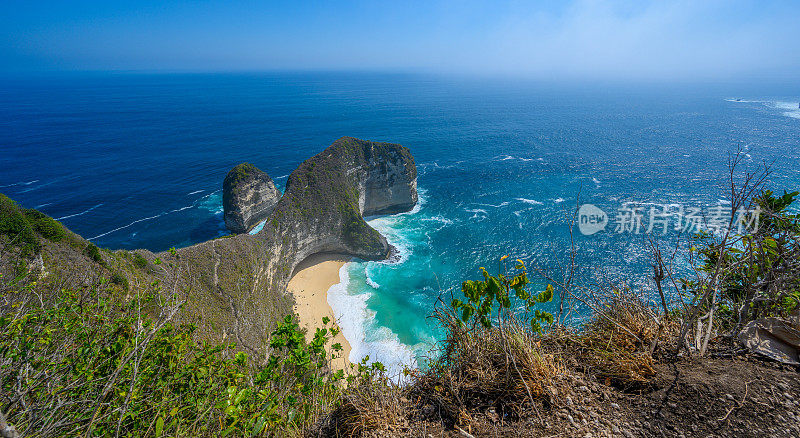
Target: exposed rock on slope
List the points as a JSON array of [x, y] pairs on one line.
[[248, 197]]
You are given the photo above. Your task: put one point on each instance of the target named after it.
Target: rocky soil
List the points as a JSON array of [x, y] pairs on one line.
[[710, 397]]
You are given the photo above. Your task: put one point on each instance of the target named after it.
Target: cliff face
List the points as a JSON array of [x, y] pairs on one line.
[[321, 210], [248, 197], [328, 196]]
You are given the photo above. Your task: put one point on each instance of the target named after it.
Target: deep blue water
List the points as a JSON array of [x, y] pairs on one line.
[[137, 161]]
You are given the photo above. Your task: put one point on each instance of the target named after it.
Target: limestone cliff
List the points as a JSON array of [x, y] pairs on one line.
[[248, 197], [234, 288], [321, 210]]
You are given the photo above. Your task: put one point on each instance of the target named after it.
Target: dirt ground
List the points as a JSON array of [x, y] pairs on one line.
[[710, 397]]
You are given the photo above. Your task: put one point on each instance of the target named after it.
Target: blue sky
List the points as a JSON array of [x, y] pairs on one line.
[[705, 39]]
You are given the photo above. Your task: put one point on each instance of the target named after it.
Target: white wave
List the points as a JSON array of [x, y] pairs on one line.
[[502, 204], [180, 209], [529, 201], [39, 186], [558, 200], [477, 213], [788, 109], [596, 181], [436, 165], [438, 218], [24, 183], [369, 280], [43, 205], [194, 204], [511, 157], [787, 105], [78, 214], [744, 100], [414, 210], [282, 176], [356, 320], [195, 192], [386, 226], [476, 210], [211, 202], [126, 226]]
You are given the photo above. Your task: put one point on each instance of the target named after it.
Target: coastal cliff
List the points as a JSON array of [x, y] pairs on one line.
[[234, 288], [248, 197], [321, 211]]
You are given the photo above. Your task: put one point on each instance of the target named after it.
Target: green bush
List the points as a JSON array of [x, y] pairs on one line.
[[48, 227], [87, 366], [758, 271], [495, 290], [139, 261], [15, 226], [93, 252], [119, 280]]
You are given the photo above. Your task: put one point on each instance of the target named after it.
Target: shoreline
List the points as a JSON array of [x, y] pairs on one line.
[[309, 285]]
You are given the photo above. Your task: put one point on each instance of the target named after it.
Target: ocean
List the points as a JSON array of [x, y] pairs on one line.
[[137, 161]]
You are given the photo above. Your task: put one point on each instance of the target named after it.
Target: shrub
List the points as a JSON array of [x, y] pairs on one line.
[[119, 280], [16, 227], [93, 252], [491, 355], [48, 227], [757, 272], [129, 375], [139, 261], [616, 343]]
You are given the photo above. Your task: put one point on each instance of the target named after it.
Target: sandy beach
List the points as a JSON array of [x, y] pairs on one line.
[[309, 285]]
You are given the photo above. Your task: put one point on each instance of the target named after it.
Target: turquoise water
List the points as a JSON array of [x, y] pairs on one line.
[[137, 161]]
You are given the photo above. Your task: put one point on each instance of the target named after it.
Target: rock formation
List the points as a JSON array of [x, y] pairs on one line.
[[239, 279], [248, 197]]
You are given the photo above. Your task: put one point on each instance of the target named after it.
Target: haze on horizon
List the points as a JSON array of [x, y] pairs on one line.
[[651, 40]]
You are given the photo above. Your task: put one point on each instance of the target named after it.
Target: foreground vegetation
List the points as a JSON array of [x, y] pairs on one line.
[[108, 359]]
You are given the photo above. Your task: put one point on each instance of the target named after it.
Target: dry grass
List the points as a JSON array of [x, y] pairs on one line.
[[368, 406], [618, 341], [501, 368]]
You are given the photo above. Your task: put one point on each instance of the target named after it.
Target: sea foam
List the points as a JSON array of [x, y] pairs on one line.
[[356, 320], [529, 201]]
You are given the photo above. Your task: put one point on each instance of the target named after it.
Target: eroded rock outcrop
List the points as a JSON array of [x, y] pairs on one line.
[[322, 210], [248, 197]]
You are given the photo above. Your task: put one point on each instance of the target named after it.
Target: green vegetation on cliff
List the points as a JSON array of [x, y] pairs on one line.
[[21, 226]]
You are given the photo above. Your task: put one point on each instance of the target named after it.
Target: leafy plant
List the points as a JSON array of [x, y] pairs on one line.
[[758, 271], [123, 373], [495, 290]]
